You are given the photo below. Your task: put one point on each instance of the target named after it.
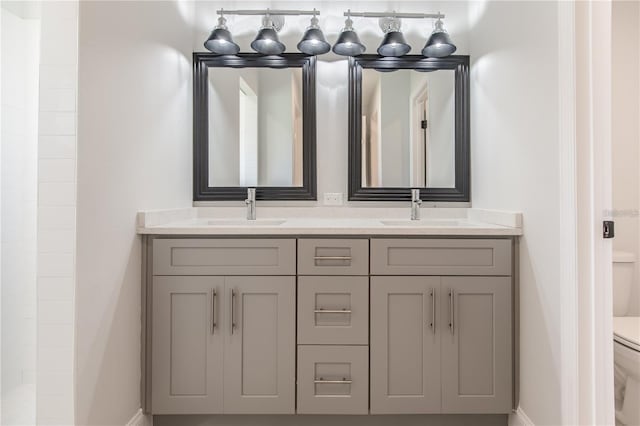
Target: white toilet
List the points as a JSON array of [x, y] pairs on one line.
[[626, 336]]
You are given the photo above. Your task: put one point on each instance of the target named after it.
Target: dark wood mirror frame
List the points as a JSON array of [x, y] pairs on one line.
[[201, 64], [458, 63]]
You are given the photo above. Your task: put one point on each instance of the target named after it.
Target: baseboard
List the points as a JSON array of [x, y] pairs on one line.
[[140, 419], [519, 418]]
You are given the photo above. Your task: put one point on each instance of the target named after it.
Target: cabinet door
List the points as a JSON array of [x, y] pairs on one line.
[[259, 351], [405, 345], [187, 348], [476, 348]]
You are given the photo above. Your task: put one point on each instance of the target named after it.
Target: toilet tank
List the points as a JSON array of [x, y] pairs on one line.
[[623, 275]]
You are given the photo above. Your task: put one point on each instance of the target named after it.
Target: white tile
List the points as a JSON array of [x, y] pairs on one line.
[[57, 100], [56, 217], [55, 383], [54, 358], [57, 194], [55, 336], [56, 170], [55, 410], [56, 265], [58, 76], [57, 11], [56, 288], [55, 241], [57, 146], [59, 40], [56, 312], [57, 123]]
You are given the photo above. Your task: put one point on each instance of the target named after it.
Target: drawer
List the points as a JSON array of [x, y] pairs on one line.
[[224, 257], [333, 257], [333, 310], [333, 379], [440, 257]]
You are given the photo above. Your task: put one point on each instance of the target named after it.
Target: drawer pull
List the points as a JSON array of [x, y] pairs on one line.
[[213, 311], [433, 311], [233, 314], [451, 313], [332, 311], [344, 381], [332, 257]]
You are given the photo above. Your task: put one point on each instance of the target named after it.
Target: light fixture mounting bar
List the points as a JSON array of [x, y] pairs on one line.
[[259, 12], [394, 15]]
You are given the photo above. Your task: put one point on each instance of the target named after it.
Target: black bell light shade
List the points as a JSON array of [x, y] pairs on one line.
[[348, 43], [313, 41], [220, 40], [439, 43], [393, 44]]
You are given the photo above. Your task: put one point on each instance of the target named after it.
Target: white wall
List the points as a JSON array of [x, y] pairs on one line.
[[134, 153], [19, 147], [626, 133], [515, 166]]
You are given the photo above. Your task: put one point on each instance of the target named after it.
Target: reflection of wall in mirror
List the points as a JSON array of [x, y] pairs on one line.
[[224, 124], [275, 124], [441, 129], [255, 127], [372, 168], [395, 129]]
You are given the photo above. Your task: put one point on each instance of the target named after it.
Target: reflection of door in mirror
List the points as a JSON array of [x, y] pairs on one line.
[[255, 127], [408, 132]]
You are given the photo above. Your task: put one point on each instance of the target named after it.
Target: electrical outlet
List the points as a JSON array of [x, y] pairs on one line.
[[333, 199]]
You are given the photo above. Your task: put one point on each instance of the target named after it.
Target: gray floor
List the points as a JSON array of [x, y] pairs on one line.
[[406, 420]]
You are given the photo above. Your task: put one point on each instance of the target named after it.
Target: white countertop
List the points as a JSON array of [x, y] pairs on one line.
[[329, 221]]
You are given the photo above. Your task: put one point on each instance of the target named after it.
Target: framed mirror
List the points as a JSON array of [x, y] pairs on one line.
[[409, 128], [254, 125]]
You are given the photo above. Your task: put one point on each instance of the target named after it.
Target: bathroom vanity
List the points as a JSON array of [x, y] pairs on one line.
[[329, 316]]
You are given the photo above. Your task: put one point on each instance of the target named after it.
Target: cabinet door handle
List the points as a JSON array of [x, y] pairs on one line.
[[233, 313], [344, 381], [332, 257], [213, 310], [433, 311], [332, 311], [451, 312]]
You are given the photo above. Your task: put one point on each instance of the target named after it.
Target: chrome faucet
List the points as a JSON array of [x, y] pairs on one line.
[[415, 204], [251, 203]]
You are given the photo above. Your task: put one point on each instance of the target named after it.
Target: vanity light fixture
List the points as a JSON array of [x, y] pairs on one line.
[[313, 41], [348, 43], [220, 40], [439, 44], [394, 44], [267, 41]]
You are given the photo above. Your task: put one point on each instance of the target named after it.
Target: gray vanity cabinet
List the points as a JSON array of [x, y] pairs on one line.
[[476, 344], [405, 345], [223, 326], [187, 366], [260, 345], [441, 326], [228, 352]]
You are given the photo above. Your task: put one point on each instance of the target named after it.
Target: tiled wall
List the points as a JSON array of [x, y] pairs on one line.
[[57, 212]]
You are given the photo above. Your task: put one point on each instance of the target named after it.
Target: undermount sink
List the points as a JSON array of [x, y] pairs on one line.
[[245, 222], [423, 222]]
